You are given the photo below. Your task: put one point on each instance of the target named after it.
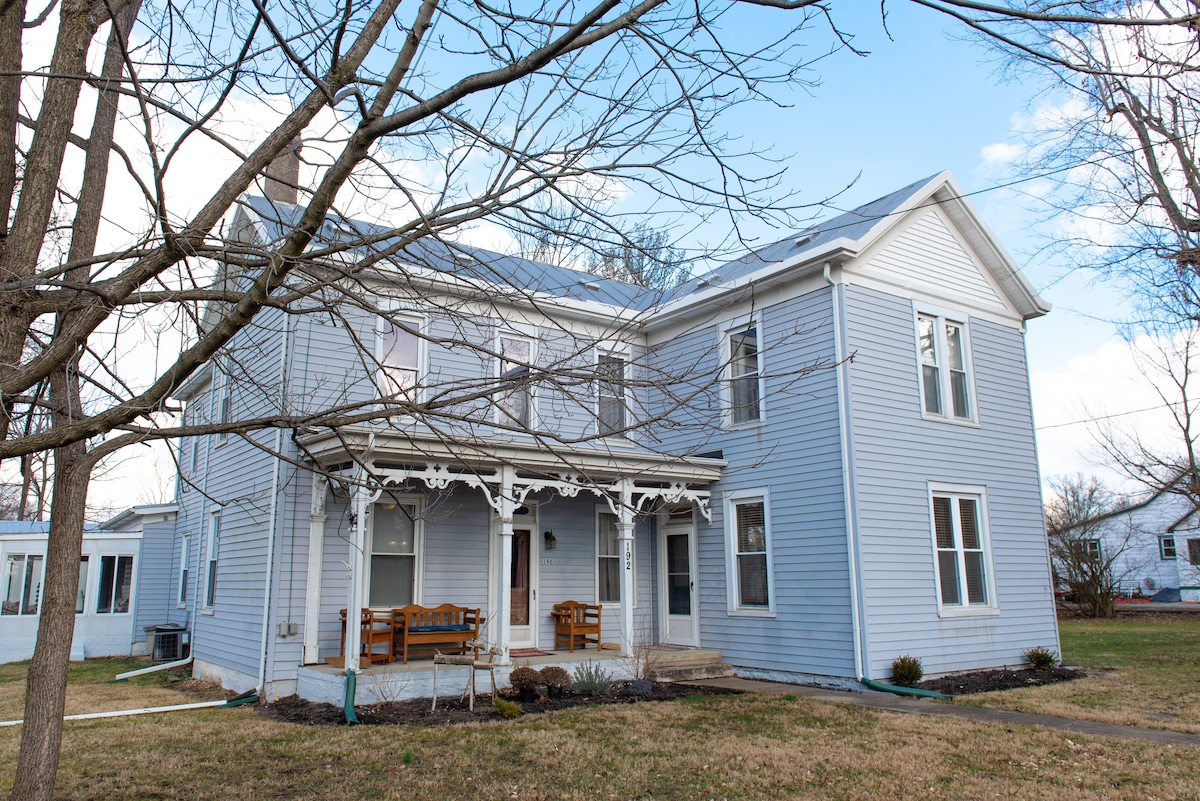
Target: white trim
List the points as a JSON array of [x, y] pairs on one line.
[[732, 584], [418, 503], [532, 523], [726, 330], [964, 608], [623, 354], [941, 316], [419, 323], [223, 394], [664, 528]]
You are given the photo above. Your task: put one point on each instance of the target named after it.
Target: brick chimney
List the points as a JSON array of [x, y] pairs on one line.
[[283, 174]]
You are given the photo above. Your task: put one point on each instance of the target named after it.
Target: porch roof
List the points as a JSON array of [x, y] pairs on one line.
[[415, 449]]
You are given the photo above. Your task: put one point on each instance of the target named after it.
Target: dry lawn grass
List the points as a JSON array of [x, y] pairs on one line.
[[1143, 673], [711, 747]]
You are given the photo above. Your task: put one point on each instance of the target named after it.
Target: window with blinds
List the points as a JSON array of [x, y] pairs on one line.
[[962, 563]]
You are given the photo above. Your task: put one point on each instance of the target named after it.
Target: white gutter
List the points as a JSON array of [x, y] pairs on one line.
[[850, 496], [187, 660], [146, 710], [273, 523]]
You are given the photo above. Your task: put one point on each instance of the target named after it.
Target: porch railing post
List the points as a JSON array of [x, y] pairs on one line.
[[316, 561], [503, 605], [625, 543]]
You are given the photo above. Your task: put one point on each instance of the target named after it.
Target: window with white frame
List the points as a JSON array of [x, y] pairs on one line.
[[399, 358], [394, 533], [185, 556], [960, 544], [116, 585], [224, 410], [1166, 547], [750, 549], [945, 378], [611, 411], [211, 553], [1193, 547], [743, 374], [81, 589], [608, 559], [23, 574], [515, 401]]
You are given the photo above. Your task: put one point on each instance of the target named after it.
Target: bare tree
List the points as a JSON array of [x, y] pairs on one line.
[[647, 259], [1085, 547], [430, 119]]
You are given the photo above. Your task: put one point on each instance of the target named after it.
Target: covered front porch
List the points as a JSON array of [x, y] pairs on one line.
[[509, 531]]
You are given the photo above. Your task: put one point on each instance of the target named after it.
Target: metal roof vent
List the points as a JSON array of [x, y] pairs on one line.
[[805, 239]]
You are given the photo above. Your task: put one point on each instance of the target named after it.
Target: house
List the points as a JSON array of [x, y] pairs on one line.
[[813, 459], [111, 602]]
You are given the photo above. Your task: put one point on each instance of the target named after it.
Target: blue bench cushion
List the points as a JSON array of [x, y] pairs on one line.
[[460, 627]]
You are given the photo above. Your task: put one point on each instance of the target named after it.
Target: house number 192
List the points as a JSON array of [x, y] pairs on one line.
[[628, 556]]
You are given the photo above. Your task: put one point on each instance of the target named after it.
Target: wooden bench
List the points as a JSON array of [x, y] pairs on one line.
[[573, 620], [433, 625]]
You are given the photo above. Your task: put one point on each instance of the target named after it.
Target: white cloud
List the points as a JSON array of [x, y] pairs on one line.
[[1001, 153]]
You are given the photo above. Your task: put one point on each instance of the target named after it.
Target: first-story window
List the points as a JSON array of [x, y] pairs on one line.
[[1166, 547], [393, 555], [750, 549], [959, 541], [1193, 547], [185, 556], [945, 381], [81, 590], [608, 559], [214, 547], [116, 585], [23, 584]]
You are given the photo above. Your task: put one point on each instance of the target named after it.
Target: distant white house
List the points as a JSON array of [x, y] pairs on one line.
[[108, 617], [1154, 546]]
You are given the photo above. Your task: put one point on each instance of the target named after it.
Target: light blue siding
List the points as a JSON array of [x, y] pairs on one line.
[[898, 453]]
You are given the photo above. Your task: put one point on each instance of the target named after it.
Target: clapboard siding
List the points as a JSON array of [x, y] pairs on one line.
[[794, 455], [897, 454], [154, 601]]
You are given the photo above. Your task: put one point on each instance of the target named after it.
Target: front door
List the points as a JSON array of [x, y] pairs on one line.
[[523, 595], [677, 584]]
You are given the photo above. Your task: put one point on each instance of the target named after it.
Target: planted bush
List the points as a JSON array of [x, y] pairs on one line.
[[1042, 658], [525, 678], [556, 678], [591, 679], [506, 709], [907, 671]]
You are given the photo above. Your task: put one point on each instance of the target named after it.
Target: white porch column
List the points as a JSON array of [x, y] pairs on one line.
[[316, 561], [355, 594], [503, 605], [625, 547]]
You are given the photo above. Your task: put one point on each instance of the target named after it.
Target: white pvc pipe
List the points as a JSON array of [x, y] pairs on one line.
[[153, 668], [124, 712]]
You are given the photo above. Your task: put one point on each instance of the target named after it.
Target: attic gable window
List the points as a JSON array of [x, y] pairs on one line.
[[945, 376]]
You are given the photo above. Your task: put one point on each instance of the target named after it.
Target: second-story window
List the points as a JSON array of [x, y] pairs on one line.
[[225, 398], [743, 375], [399, 359], [515, 401], [945, 381], [611, 414]]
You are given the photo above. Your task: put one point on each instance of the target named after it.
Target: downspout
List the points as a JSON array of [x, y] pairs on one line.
[[895, 689], [849, 497], [274, 517]]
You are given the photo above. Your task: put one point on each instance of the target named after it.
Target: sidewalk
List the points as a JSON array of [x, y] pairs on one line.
[[895, 703]]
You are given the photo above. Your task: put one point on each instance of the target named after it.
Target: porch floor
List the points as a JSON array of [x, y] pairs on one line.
[[423, 663]]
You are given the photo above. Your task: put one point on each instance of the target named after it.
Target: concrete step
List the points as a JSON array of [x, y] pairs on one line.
[[695, 673]]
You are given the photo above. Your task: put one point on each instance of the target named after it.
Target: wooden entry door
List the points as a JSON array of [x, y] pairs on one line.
[[523, 595]]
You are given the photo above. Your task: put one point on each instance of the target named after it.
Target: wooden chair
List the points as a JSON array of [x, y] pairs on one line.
[[573, 620], [376, 630]]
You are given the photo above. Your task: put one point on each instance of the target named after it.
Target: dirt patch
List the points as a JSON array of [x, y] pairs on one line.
[[450, 710], [984, 681]]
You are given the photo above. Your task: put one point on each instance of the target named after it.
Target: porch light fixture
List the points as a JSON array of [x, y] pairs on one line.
[[550, 539]]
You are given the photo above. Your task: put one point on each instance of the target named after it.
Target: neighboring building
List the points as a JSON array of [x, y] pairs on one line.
[[813, 525], [108, 603]]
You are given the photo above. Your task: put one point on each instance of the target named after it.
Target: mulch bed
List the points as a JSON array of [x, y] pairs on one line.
[[415, 712], [988, 680]]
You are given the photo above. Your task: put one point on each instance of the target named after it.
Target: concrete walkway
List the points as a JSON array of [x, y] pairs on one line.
[[895, 703]]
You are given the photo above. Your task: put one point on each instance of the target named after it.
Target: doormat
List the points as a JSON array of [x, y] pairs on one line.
[[529, 653]]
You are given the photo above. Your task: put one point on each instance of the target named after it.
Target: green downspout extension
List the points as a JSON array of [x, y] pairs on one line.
[[348, 704], [910, 691]]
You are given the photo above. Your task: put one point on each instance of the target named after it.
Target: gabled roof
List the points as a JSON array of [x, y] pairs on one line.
[[832, 241]]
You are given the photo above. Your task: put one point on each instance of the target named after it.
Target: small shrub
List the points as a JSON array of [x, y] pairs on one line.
[[906, 671], [591, 679], [407, 757], [642, 688], [556, 678], [525, 678], [506, 709], [1042, 658]]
